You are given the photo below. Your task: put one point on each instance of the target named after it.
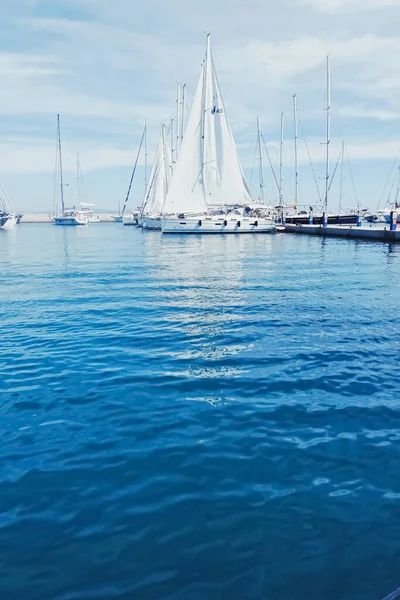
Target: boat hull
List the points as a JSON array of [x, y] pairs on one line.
[[8, 221], [117, 219], [153, 223], [69, 221], [130, 220], [387, 218], [208, 225]]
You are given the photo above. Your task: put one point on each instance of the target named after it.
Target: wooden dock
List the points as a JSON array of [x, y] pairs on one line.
[[345, 231]]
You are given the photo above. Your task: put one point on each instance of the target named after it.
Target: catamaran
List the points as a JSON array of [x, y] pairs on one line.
[[208, 172], [65, 216]]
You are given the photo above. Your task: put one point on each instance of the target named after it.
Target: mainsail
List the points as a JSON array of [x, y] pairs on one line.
[[160, 177], [224, 181], [208, 171], [186, 191]]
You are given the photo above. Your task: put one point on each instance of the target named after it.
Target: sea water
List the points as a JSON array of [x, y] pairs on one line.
[[198, 417]]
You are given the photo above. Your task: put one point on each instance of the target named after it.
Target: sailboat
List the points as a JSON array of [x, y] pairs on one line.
[[8, 217], [157, 189], [208, 192], [133, 217], [393, 206], [86, 208], [66, 216], [321, 216]]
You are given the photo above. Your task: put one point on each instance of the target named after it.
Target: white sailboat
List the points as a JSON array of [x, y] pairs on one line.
[[157, 188], [133, 217], [8, 217], [208, 192], [65, 216], [86, 207]]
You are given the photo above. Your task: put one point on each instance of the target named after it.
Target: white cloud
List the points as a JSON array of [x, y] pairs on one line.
[[344, 6], [109, 65]]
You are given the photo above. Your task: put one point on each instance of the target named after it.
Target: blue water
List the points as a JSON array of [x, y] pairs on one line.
[[188, 418]]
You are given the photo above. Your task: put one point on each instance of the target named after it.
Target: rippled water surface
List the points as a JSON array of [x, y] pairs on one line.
[[198, 417]]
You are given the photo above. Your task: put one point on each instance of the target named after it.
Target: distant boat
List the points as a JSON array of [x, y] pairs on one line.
[[87, 209], [65, 216], [8, 217], [208, 171], [157, 188]]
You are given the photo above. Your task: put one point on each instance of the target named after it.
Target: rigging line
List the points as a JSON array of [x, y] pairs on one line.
[[55, 196], [334, 170], [134, 171], [270, 163], [254, 162], [309, 157], [388, 179], [351, 177], [391, 190]]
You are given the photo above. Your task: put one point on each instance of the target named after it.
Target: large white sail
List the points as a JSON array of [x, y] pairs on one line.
[[160, 177], [208, 171], [186, 190], [224, 181]]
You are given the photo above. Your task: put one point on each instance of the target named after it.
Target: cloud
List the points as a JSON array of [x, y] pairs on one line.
[[346, 6], [105, 66]]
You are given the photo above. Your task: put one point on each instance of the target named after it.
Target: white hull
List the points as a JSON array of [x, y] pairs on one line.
[[71, 221], [211, 225], [8, 221], [153, 223], [129, 220], [117, 219]]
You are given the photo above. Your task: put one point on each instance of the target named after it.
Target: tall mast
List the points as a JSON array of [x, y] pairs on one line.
[[398, 189], [261, 173], [341, 180], [178, 118], [183, 110], [60, 157], [78, 171], [203, 99], [328, 128], [281, 165], [164, 138], [134, 171], [296, 167], [145, 156], [172, 133]]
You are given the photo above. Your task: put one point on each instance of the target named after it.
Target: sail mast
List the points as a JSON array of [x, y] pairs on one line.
[[134, 171], [341, 180], [296, 168], [281, 165], [328, 128], [183, 111], [178, 118], [261, 173], [172, 133], [145, 156], [78, 169], [396, 202], [60, 158]]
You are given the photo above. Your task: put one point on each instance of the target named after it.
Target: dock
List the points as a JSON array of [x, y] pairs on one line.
[[345, 231]]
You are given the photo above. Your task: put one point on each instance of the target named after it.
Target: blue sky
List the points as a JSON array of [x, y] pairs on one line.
[[105, 66]]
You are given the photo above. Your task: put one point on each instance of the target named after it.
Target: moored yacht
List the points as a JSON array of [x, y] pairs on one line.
[[65, 216], [208, 171]]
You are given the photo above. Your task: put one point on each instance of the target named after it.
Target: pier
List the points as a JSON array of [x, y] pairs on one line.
[[343, 231]]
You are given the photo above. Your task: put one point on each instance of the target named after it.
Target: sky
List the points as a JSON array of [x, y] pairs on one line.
[[106, 66]]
